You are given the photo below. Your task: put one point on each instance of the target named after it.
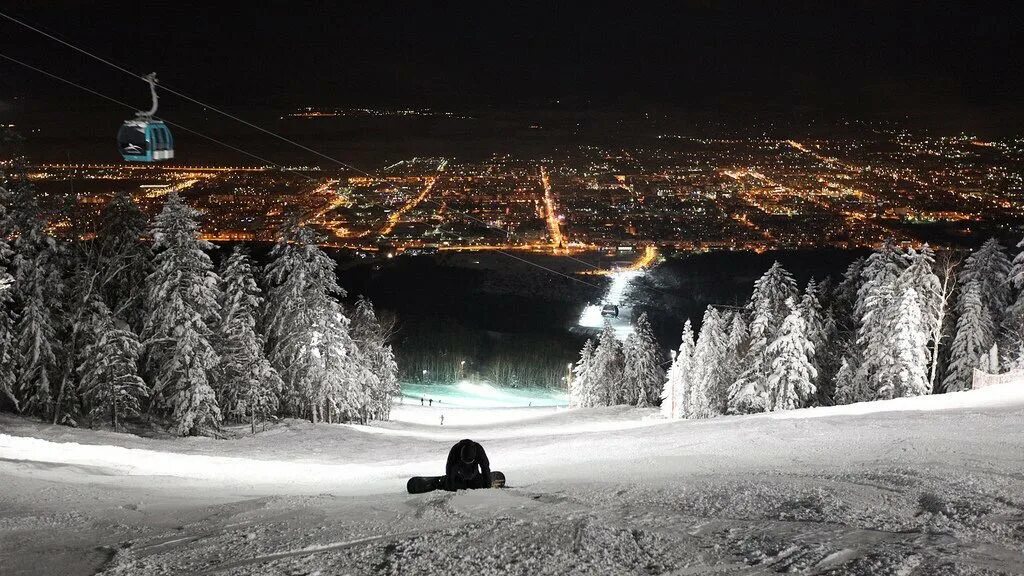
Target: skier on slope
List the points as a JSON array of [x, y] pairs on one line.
[[467, 467]]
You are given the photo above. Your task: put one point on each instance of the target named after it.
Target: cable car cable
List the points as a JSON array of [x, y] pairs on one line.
[[179, 94], [126, 105]]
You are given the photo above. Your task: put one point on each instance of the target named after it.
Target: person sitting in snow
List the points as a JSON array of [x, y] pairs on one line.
[[467, 467]]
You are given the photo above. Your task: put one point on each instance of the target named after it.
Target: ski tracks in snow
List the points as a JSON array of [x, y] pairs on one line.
[[879, 521]]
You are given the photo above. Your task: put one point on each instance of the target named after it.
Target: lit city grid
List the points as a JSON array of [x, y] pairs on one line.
[[685, 193]]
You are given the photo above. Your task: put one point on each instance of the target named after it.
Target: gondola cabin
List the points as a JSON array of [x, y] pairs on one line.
[[145, 141], [610, 311]]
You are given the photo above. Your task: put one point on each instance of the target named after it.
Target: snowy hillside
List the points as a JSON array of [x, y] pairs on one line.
[[910, 486]]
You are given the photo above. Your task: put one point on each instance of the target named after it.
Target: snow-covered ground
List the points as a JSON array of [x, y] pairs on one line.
[[933, 485]]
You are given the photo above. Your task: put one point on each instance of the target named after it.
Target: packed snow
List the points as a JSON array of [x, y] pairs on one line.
[[923, 485]]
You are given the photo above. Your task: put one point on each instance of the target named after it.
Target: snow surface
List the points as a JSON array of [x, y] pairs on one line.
[[472, 394], [931, 485]]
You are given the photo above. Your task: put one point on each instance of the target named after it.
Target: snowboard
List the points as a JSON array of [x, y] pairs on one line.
[[424, 484]]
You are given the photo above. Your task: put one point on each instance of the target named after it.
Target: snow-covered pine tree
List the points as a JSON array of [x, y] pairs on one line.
[[110, 385], [181, 297], [626, 392], [791, 380], [708, 389], [8, 321], [847, 387], [39, 287], [843, 311], [974, 337], [909, 369], [124, 260], [989, 268], [828, 358], [676, 392], [920, 276], [607, 368], [846, 295], [643, 373], [371, 337], [1012, 330], [920, 292], [35, 341], [582, 389], [768, 309], [933, 294], [247, 385], [771, 291], [876, 303], [736, 345], [384, 366], [325, 376], [814, 328]]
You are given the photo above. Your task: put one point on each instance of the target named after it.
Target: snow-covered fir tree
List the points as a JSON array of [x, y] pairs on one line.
[[384, 366], [675, 394], [32, 328], [792, 375], [325, 378], [989, 268], [917, 320], [371, 338], [933, 294], [814, 328], [582, 388], [110, 385], [607, 367], [920, 275], [642, 372], [846, 293], [828, 358], [876, 302], [8, 349], [736, 346], [768, 309], [847, 387], [909, 370], [247, 385], [708, 390], [975, 335], [124, 259], [182, 296], [39, 287], [1012, 330]]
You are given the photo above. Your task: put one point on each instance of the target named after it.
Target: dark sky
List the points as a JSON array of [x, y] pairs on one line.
[[836, 58]]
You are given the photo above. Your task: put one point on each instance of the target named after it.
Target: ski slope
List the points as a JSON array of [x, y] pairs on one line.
[[909, 486]]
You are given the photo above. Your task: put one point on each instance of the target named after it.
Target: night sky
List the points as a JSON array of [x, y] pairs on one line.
[[864, 59]]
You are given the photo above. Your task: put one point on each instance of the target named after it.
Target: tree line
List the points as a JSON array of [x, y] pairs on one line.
[[900, 322], [137, 321]]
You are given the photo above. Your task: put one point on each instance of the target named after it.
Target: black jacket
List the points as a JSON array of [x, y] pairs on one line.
[[456, 469]]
